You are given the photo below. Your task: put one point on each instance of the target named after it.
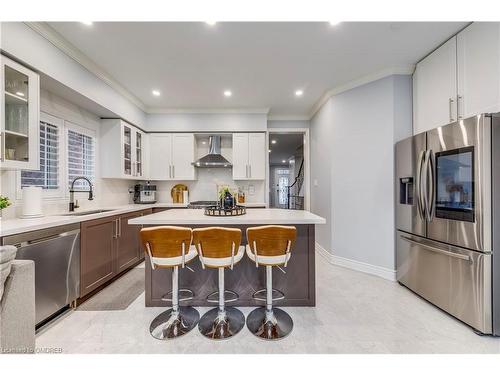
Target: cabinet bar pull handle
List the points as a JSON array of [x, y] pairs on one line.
[[173, 171], [460, 110], [451, 101], [249, 170]]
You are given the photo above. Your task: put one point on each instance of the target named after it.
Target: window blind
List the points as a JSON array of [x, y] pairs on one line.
[[48, 175], [80, 158]]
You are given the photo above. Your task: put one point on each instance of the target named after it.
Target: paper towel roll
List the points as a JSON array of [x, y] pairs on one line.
[[32, 202], [185, 196]]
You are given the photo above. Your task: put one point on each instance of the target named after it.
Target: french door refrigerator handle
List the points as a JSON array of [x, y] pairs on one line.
[[429, 167], [420, 204], [437, 250]]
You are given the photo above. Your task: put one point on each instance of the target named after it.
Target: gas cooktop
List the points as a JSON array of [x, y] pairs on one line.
[[202, 204]]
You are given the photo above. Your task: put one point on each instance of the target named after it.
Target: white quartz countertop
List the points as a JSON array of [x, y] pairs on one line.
[[9, 227], [252, 216], [14, 226]]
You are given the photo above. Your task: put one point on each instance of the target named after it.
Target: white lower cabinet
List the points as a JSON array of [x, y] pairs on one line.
[[249, 156], [171, 155]]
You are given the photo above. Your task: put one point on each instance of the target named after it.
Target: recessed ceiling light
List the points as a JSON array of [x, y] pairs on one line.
[[87, 23], [299, 92], [283, 161], [204, 142], [156, 92], [334, 23], [273, 141], [211, 23], [269, 150], [228, 93]]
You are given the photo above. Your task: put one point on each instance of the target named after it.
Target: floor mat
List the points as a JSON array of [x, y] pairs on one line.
[[119, 294]]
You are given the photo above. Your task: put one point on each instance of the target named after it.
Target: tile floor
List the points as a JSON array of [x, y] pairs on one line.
[[355, 313]]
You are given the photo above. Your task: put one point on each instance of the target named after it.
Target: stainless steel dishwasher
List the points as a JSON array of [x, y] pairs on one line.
[[56, 252]]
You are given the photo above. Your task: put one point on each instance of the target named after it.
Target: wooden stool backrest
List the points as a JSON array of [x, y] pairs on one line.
[[166, 241], [271, 240], [216, 242]]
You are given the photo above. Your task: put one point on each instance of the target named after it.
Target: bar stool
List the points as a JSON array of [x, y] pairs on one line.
[[270, 246], [220, 248], [170, 247]]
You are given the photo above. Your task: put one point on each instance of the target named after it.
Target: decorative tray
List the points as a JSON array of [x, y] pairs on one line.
[[220, 211]]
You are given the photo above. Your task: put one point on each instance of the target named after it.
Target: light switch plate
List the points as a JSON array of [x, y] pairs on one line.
[[315, 182]]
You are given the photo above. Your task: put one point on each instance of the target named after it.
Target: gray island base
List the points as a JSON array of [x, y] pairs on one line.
[[298, 283]]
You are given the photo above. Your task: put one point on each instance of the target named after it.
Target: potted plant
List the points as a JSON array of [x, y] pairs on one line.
[[4, 203], [226, 198]]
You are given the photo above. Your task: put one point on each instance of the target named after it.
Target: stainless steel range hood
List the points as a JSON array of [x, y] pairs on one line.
[[213, 159]]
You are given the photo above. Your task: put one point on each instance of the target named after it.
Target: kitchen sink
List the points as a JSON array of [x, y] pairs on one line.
[[83, 213]]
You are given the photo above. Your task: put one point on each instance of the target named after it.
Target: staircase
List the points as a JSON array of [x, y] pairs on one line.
[[295, 199]]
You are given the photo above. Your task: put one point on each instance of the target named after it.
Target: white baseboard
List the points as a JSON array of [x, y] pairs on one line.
[[382, 272]]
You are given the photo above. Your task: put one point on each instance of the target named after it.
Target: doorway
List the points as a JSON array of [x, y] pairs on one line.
[[288, 185]]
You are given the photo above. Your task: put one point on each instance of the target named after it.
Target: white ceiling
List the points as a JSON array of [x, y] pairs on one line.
[[261, 63], [285, 147]]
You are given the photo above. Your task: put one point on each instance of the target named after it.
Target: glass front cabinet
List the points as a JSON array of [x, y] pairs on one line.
[[122, 150], [20, 115]]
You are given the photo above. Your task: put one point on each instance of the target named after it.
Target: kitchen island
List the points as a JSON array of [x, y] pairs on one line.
[[298, 283]]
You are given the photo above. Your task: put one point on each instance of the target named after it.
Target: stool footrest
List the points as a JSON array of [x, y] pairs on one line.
[[260, 295], [214, 296], [184, 295]]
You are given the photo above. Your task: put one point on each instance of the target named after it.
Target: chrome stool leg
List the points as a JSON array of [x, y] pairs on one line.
[[269, 323], [222, 322], [176, 321]]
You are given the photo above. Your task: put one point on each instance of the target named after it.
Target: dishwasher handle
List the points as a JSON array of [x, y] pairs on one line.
[[45, 239]]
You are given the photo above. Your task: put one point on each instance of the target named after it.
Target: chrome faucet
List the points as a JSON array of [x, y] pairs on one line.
[[72, 192]]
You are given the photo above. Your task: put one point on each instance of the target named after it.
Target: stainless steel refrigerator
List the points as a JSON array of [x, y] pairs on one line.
[[448, 219]]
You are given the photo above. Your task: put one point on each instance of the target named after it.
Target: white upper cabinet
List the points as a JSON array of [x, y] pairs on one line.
[[123, 150], [171, 156], [460, 79], [249, 156], [435, 88], [183, 154], [160, 156], [478, 56], [20, 116], [240, 156]]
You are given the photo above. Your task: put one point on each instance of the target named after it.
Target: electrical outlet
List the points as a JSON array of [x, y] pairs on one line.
[[251, 190]]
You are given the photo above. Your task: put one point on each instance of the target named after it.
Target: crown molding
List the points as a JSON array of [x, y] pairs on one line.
[[288, 118], [71, 51], [398, 70], [263, 111]]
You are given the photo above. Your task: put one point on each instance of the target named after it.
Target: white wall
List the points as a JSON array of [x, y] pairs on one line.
[[207, 122], [25, 44], [108, 192], [352, 151], [277, 124]]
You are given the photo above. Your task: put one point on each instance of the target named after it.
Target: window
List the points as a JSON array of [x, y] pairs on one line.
[[80, 156], [48, 175]]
